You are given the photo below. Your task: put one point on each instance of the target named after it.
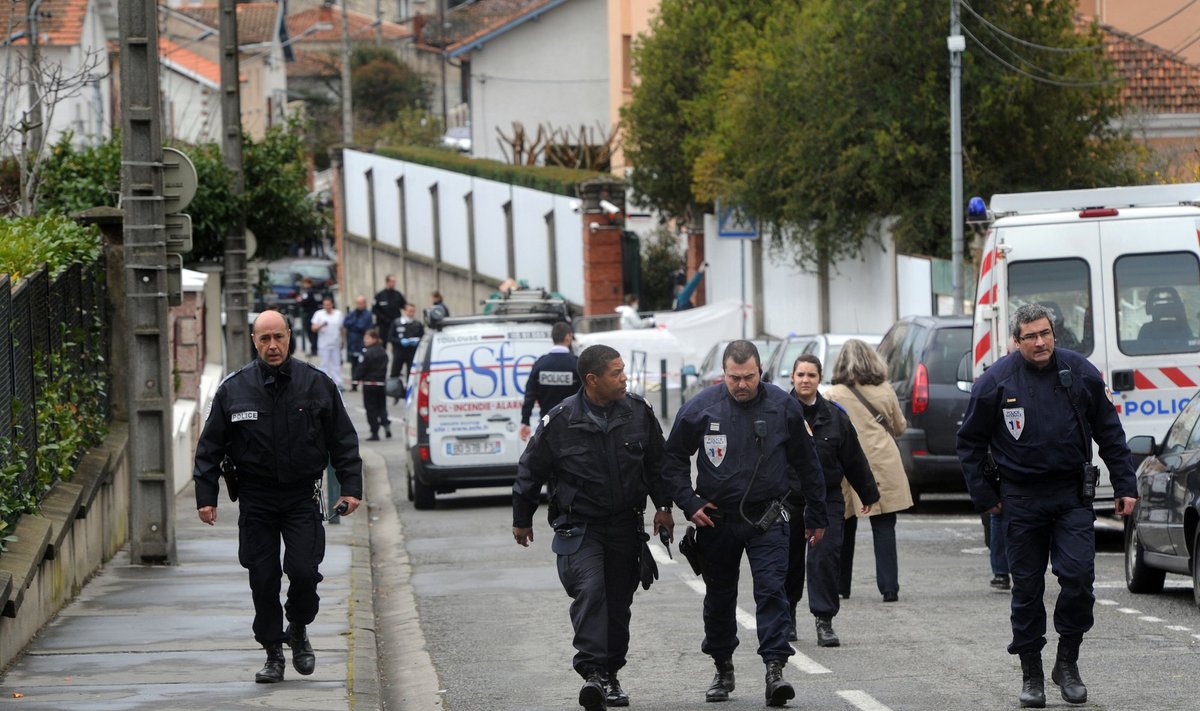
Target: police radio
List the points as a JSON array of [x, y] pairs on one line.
[[776, 509], [1089, 475]]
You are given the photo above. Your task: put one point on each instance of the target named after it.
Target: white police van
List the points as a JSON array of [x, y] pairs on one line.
[[1120, 268], [462, 412]]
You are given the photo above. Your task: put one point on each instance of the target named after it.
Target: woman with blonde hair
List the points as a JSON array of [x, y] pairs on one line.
[[860, 387]]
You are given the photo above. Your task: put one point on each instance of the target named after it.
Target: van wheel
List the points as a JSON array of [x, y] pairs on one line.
[[409, 481], [423, 495], [1196, 568], [1139, 577]]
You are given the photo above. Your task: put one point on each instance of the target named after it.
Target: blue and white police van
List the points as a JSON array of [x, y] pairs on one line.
[[1120, 269], [462, 413]]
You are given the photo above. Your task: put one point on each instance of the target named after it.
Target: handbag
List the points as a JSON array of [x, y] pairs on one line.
[[875, 413]]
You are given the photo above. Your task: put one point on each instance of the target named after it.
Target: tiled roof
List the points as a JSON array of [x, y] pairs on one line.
[[1156, 79], [309, 64], [471, 21], [360, 25], [60, 22], [255, 20], [187, 62]]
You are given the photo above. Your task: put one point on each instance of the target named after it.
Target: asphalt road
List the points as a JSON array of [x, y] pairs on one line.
[[495, 628]]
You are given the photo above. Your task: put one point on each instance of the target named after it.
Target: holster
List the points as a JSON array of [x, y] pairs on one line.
[[689, 549], [230, 475], [991, 473]]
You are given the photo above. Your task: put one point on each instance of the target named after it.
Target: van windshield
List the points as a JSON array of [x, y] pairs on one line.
[[1158, 299], [1063, 287]]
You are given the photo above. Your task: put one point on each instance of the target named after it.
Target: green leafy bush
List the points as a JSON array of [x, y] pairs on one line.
[[561, 181]]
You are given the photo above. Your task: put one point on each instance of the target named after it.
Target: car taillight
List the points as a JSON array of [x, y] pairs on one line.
[[423, 451], [718, 380], [920, 400], [423, 397]]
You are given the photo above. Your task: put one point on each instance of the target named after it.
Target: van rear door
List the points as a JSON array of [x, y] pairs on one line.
[[1154, 351], [476, 384]]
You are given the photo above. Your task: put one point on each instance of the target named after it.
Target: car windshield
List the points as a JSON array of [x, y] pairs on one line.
[[281, 278], [315, 271], [948, 347]]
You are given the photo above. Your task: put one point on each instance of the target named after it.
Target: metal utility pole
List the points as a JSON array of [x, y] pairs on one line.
[[347, 104], [237, 332], [956, 44], [152, 491]]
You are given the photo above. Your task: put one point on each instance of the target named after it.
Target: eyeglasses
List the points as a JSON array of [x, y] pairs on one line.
[[1046, 335]]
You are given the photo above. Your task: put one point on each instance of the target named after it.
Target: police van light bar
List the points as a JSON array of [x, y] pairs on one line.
[[977, 210]]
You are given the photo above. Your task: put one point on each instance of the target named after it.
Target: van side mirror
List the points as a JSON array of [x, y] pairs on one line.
[[964, 376]]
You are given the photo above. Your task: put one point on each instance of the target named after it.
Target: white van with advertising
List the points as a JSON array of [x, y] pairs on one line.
[[462, 414], [1120, 268]]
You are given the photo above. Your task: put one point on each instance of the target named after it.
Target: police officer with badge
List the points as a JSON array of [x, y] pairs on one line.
[[279, 420], [601, 451], [1031, 422], [756, 450], [553, 377]]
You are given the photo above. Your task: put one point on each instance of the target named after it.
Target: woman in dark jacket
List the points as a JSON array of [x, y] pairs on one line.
[[841, 456]]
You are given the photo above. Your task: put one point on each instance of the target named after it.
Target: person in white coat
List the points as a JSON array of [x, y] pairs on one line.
[[630, 319], [328, 324]]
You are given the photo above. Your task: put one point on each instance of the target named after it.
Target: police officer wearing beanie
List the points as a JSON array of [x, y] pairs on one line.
[[1038, 410], [601, 452], [756, 450], [279, 421], [553, 377]]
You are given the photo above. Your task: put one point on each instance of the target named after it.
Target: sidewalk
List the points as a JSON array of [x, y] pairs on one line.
[[179, 638]]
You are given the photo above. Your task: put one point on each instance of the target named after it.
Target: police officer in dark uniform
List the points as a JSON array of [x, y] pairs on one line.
[[278, 420], [601, 451], [1037, 411], [841, 458], [552, 378], [756, 450]]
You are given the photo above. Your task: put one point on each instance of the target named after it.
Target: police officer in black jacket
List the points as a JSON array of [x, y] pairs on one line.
[[1037, 410], [755, 451], [552, 378], [601, 451], [841, 457], [279, 421]]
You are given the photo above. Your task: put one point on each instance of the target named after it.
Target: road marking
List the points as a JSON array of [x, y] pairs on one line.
[[1107, 602], [1179, 628], [747, 621], [1148, 618], [660, 554], [1129, 611], [862, 700]]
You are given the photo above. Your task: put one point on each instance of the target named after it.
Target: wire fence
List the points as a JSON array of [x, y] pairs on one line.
[[43, 316]]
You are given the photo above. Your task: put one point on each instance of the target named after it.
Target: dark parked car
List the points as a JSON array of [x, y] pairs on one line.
[[929, 367], [1163, 533]]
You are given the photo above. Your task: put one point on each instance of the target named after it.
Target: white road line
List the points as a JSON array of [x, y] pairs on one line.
[[659, 554], [862, 700], [1107, 602], [1148, 618], [1179, 628], [747, 621], [1129, 611]]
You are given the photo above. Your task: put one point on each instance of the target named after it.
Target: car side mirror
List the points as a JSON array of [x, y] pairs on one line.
[[964, 376], [1142, 445]]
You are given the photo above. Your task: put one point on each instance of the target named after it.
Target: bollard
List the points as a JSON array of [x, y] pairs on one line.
[[663, 381]]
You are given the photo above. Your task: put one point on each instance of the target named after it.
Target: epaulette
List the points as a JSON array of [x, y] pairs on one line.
[[641, 399], [552, 414]]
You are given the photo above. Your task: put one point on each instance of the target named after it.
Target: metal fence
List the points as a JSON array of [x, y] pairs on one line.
[[32, 321]]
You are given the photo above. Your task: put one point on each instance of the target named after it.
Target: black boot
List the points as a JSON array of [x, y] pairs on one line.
[[1033, 681], [591, 694], [1066, 672], [272, 671], [722, 683], [778, 690], [826, 637], [303, 658], [614, 695], [792, 619]]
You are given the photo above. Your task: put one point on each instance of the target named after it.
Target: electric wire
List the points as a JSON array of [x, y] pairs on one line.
[[1034, 45], [1035, 77]]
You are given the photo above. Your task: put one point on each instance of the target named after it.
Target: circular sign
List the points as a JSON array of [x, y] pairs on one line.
[[179, 180]]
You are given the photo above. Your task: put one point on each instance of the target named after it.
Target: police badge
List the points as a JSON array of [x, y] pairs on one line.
[[1014, 420], [714, 448]]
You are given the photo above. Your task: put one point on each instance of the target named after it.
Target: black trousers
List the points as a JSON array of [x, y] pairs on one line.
[[601, 578], [268, 515], [883, 538], [1049, 526], [823, 564], [375, 402], [722, 547]]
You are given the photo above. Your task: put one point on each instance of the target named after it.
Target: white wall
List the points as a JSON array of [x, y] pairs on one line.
[[866, 294], [511, 81], [489, 198]]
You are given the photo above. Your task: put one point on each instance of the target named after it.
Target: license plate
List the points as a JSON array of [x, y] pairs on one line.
[[457, 449]]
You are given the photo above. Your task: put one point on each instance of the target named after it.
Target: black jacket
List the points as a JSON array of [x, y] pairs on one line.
[[723, 430], [279, 425], [840, 453], [1025, 416], [372, 366], [406, 334], [594, 475], [552, 379], [387, 307]]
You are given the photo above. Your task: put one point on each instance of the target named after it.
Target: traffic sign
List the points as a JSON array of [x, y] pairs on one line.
[[733, 222]]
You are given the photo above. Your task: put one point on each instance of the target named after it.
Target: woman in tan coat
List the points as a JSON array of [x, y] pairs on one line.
[[861, 389]]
